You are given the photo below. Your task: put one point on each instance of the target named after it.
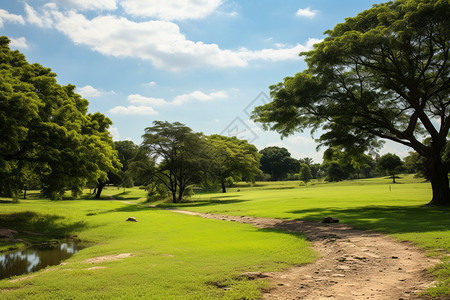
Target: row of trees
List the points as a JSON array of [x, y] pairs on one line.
[[47, 137], [338, 164], [172, 157]]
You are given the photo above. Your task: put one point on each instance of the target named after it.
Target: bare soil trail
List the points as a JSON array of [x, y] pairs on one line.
[[353, 263]]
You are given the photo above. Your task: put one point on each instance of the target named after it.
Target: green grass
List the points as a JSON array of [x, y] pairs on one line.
[[173, 256], [377, 204], [186, 257]]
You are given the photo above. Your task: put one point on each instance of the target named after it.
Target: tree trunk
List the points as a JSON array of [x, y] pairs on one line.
[[180, 194], [393, 178], [438, 175], [100, 187], [224, 190], [174, 196]]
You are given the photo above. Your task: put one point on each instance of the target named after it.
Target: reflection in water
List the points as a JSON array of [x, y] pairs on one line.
[[31, 260]]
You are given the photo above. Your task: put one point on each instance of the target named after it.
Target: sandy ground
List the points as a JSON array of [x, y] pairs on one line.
[[354, 264]]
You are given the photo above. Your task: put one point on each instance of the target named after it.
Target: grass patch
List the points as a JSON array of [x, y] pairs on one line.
[[377, 204], [186, 257], [173, 256]]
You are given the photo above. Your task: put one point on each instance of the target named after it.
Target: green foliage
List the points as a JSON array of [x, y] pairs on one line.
[[156, 191], [277, 162], [381, 74], [232, 159], [182, 156], [45, 130], [305, 173], [390, 164]]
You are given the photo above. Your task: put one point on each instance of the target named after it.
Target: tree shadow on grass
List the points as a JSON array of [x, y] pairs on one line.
[[50, 225], [125, 196], [387, 219]]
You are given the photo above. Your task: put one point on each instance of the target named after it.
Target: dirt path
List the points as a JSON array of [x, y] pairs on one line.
[[354, 264]]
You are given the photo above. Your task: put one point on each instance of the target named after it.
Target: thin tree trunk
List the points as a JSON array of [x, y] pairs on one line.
[[224, 190], [393, 178]]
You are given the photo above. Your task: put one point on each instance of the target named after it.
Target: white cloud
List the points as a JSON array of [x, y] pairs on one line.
[[171, 9], [5, 16], [306, 12], [91, 92], [199, 96], [90, 5], [133, 110], [20, 43], [138, 99], [279, 54], [177, 100], [160, 42], [42, 19], [114, 133]]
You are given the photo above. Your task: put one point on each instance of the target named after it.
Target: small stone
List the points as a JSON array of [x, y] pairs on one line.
[[394, 257]]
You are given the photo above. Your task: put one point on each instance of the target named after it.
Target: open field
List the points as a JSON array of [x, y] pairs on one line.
[[172, 255], [182, 256]]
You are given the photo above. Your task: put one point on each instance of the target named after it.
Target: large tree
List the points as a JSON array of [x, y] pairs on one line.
[[231, 157], [180, 153], [381, 74], [45, 129], [277, 162]]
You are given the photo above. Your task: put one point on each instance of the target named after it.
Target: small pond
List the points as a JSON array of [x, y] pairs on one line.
[[33, 259]]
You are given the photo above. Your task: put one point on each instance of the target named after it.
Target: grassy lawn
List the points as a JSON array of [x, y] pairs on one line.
[[180, 256], [173, 256], [377, 204]]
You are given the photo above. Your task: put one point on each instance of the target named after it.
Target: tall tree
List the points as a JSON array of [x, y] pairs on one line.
[[45, 128], [381, 74], [277, 162], [180, 153], [231, 157]]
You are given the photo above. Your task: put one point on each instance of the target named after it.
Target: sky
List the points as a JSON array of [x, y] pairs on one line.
[[204, 63]]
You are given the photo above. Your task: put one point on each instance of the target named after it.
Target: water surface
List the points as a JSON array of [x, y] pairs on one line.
[[33, 259]]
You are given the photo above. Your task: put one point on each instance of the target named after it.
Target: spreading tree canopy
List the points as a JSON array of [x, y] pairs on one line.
[[231, 157], [180, 153], [45, 130], [277, 162], [390, 164], [381, 74]]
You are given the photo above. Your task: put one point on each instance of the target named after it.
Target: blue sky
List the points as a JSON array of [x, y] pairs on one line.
[[205, 63]]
